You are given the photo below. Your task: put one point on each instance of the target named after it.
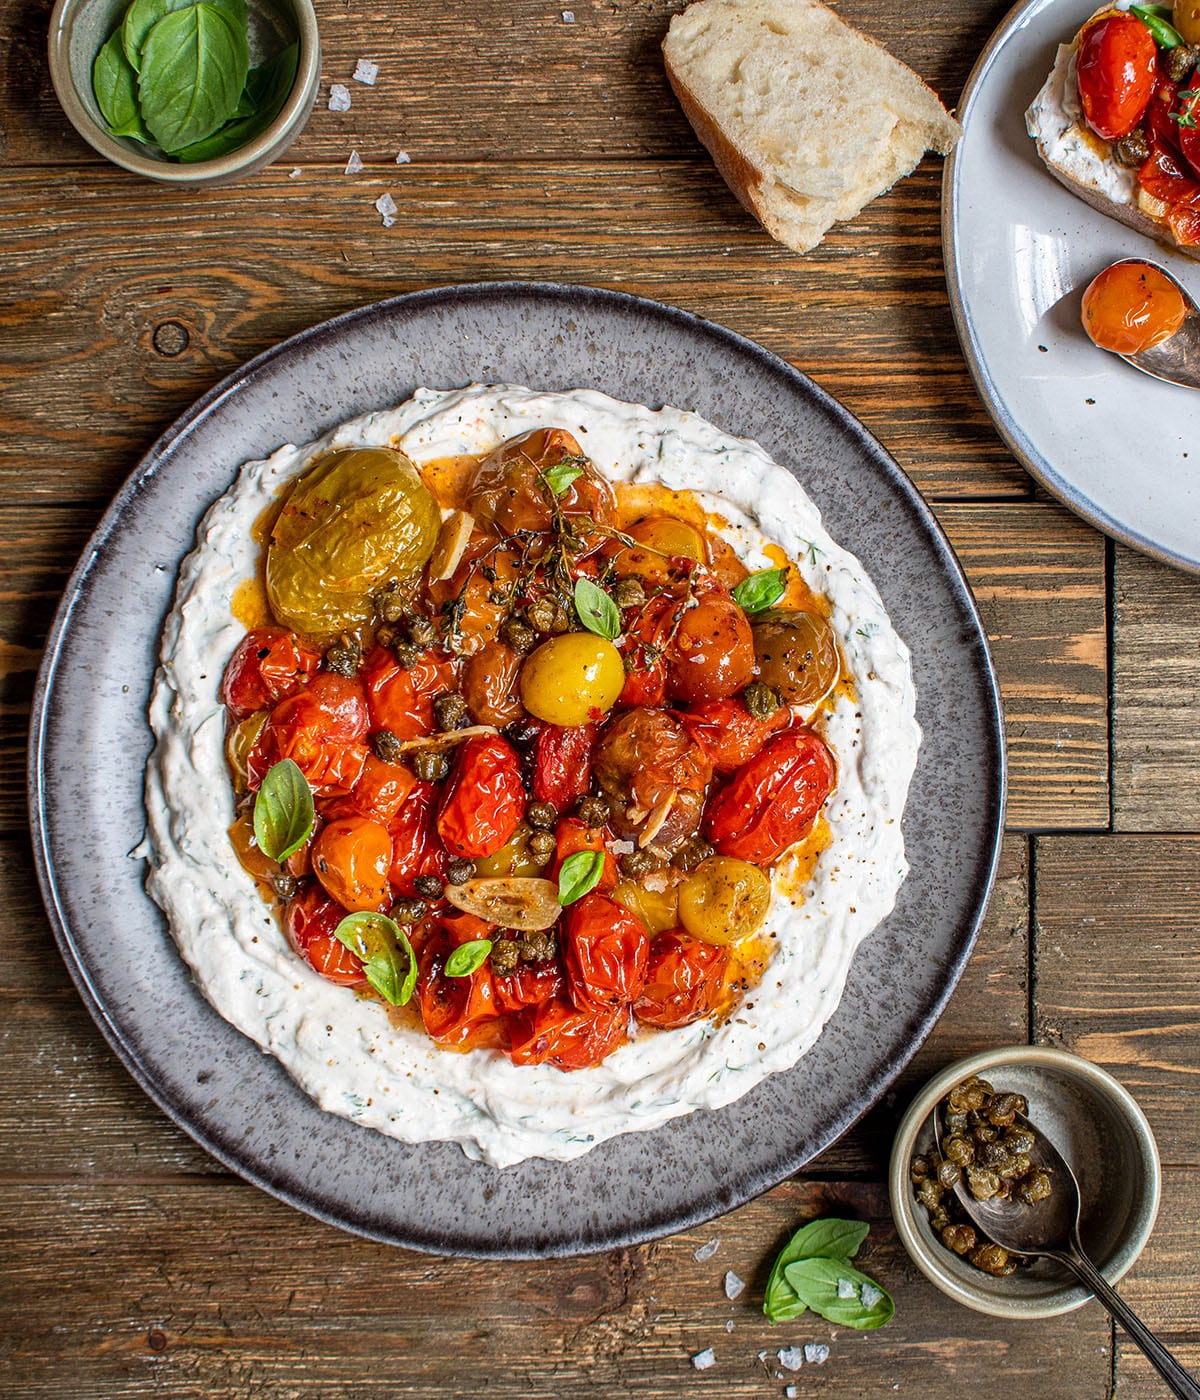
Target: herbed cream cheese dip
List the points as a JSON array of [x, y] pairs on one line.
[[343, 1048]]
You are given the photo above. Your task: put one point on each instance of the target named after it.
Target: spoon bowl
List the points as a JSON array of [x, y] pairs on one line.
[[1176, 359]]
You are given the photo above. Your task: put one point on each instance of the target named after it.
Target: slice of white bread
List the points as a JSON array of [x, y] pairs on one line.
[[1084, 163], [807, 119]]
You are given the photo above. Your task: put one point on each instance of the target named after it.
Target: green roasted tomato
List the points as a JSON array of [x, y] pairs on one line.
[[355, 521]]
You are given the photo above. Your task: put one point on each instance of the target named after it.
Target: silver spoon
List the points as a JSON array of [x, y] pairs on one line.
[[1177, 359], [1049, 1229]]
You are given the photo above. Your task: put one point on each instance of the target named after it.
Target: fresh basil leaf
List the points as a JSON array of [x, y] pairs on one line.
[[143, 15], [193, 69], [1165, 35], [269, 85], [835, 1289], [284, 814], [389, 963], [596, 609], [560, 477], [578, 874], [467, 957], [760, 590], [826, 1238], [114, 82]]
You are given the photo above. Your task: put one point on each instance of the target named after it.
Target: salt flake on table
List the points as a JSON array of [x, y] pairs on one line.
[[366, 72], [339, 98], [403, 158], [354, 164], [791, 1357], [568, 16], [790, 1392], [870, 1295], [704, 1359], [386, 205], [816, 1353], [706, 1251], [729, 1325], [846, 1288], [734, 1286], [295, 173]]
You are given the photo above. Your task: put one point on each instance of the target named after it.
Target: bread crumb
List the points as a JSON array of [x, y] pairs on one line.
[[704, 1359], [354, 164], [339, 98], [366, 72]]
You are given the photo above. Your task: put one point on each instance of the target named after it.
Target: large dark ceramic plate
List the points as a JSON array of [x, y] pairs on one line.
[[90, 742]]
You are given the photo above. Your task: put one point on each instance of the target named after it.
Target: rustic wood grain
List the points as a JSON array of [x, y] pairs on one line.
[[1117, 971], [291, 1308], [1156, 691]]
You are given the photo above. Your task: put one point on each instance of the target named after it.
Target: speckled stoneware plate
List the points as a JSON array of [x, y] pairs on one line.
[[90, 741], [1120, 449]]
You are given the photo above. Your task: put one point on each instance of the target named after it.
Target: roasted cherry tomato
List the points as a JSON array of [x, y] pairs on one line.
[[381, 791], [530, 985], [652, 770], [557, 1033], [770, 802], [797, 654], [352, 857], [712, 653], [562, 765], [1132, 306], [728, 733], [1117, 63], [400, 698], [489, 685], [684, 978], [416, 847], [269, 665], [605, 948], [647, 631], [458, 1011], [572, 679], [322, 729], [666, 552], [724, 900], [311, 919], [485, 798], [509, 490], [572, 835]]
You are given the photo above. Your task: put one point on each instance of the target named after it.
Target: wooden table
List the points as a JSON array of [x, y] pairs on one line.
[[547, 148]]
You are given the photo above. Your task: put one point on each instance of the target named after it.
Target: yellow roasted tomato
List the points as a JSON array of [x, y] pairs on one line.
[[724, 900], [572, 679]]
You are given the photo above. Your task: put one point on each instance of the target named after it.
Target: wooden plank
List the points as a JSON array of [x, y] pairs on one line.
[[122, 1293], [101, 351], [1156, 695], [1038, 575], [1117, 971]]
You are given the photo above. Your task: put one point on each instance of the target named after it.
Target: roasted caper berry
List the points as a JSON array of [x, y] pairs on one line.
[[541, 815], [387, 745], [1018, 1166], [392, 604], [992, 1259], [1002, 1110], [430, 766], [761, 700], [635, 864], [629, 593], [547, 614], [995, 1155], [955, 1122], [939, 1218], [421, 630], [959, 1238], [284, 885], [505, 955], [450, 711], [692, 853], [429, 886], [1179, 63], [408, 910], [343, 659], [406, 656], [537, 947], [593, 811], [959, 1149], [1036, 1187], [518, 636], [983, 1183], [542, 846], [968, 1097], [930, 1193], [1018, 1140], [459, 871]]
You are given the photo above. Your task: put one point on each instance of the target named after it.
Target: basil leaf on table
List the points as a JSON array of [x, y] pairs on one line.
[[836, 1290], [829, 1239], [284, 813], [596, 609], [193, 69], [578, 874], [267, 89], [760, 590], [389, 963], [467, 957], [114, 83]]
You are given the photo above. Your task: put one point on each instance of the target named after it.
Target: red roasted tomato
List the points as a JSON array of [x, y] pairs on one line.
[[572, 835], [712, 654], [770, 802], [728, 733], [322, 729], [1116, 64], [557, 1033], [562, 769], [311, 919], [684, 978], [416, 847], [380, 793], [270, 664], [459, 1011], [605, 948], [530, 985], [485, 798], [352, 857], [401, 698]]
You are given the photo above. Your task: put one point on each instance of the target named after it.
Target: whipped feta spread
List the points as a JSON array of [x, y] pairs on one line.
[[343, 1048]]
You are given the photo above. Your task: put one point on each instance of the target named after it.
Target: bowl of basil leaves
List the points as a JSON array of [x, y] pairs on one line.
[[187, 92]]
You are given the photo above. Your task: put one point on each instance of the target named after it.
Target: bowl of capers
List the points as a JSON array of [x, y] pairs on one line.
[[973, 1129]]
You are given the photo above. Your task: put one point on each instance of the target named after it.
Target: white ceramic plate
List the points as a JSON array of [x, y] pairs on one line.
[[1120, 449]]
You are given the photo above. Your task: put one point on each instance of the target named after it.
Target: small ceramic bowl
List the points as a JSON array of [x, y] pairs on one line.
[[1097, 1127], [78, 28]]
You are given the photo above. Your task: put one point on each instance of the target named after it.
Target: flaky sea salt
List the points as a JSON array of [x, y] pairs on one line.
[[366, 72], [734, 1286], [791, 1357], [846, 1288], [704, 1359], [706, 1251], [402, 157], [386, 205], [816, 1353], [295, 174], [729, 1325], [568, 16], [339, 97], [790, 1392], [870, 1295], [354, 164]]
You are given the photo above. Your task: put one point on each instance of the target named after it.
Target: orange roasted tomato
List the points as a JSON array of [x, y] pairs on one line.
[[485, 798], [1116, 65], [509, 490], [458, 1011], [270, 664], [558, 1033], [684, 978], [1132, 306], [770, 802], [322, 729], [311, 919], [605, 948], [712, 653], [352, 857]]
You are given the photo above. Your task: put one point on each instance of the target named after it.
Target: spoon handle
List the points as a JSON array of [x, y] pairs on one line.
[[1159, 1357]]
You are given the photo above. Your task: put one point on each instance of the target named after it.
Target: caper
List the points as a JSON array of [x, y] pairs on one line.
[[430, 766], [537, 947], [983, 1183], [450, 711], [285, 885], [593, 811], [959, 1238], [421, 630], [459, 871], [992, 1259], [629, 593], [542, 847], [949, 1174], [959, 1149], [692, 853], [408, 910], [518, 636], [638, 863], [505, 955], [761, 700], [1036, 1187], [429, 886], [343, 659], [386, 746], [541, 815]]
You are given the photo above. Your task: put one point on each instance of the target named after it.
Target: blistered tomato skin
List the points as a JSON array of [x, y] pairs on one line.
[[311, 919], [1131, 307], [770, 802], [485, 799], [269, 665], [606, 948], [1116, 65], [712, 655], [684, 978]]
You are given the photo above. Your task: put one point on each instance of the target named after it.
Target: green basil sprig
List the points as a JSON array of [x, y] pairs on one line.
[[284, 813], [389, 963], [596, 609], [467, 957], [1156, 19], [559, 478], [827, 1239], [578, 874], [760, 590], [836, 1290]]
